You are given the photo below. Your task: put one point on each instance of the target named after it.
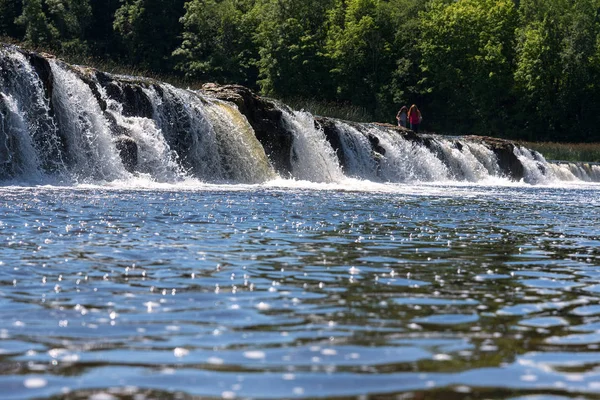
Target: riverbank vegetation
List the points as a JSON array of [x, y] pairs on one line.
[[527, 69], [585, 152]]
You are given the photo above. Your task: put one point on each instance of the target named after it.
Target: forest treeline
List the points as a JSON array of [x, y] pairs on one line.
[[526, 69]]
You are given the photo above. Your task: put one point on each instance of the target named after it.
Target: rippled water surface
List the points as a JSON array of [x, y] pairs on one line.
[[450, 292]]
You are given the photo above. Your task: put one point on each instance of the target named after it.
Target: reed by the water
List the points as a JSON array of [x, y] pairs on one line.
[[582, 152]]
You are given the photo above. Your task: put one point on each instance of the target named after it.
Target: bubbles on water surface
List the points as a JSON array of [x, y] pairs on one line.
[[284, 305]]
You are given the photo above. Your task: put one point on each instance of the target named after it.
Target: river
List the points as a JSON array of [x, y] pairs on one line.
[[299, 290], [161, 242]]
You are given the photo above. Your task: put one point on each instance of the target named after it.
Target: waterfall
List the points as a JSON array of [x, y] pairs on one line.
[[407, 161], [155, 159], [69, 124], [467, 161], [92, 153], [401, 160], [181, 115], [537, 170], [360, 159], [75, 129], [27, 119], [214, 141], [312, 157], [17, 153], [243, 159], [569, 171]]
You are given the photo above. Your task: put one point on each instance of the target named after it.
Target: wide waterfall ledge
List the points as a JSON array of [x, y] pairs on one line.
[[68, 124]]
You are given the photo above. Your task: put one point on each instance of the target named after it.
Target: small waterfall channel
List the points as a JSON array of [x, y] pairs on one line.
[[64, 124]]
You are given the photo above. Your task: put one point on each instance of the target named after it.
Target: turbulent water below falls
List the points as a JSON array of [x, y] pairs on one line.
[[422, 292]]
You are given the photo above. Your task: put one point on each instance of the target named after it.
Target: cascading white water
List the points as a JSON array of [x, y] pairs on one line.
[[155, 159], [313, 159], [215, 141], [467, 161], [568, 171], [486, 157], [536, 169], [242, 156], [81, 134], [407, 161], [397, 164], [24, 95], [18, 156], [360, 160], [94, 156], [181, 116], [540, 171]]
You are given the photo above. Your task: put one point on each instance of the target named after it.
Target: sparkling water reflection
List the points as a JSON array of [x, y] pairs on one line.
[[265, 292]]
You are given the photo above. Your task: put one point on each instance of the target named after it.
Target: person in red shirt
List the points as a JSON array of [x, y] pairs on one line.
[[414, 118]]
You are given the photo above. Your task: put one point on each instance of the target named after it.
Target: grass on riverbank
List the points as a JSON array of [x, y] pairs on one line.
[[584, 152], [321, 108]]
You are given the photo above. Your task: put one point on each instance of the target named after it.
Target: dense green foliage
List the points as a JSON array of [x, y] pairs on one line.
[[526, 69]]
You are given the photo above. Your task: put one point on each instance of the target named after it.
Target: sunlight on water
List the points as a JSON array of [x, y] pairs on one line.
[[154, 247], [293, 289]]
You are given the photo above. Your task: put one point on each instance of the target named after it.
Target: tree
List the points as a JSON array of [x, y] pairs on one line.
[[35, 23], [217, 41], [58, 24], [400, 80], [149, 30], [467, 58], [102, 38], [291, 37], [359, 44], [9, 11], [69, 20], [556, 73]]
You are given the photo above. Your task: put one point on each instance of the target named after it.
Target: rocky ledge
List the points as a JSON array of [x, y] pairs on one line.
[[266, 119], [264, 115]]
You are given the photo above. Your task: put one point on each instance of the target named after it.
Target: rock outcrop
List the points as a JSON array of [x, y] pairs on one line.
[[128, 150], [264, 116], [505, 153]]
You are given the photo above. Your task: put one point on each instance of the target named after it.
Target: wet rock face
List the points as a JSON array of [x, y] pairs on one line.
[[504, 151], [129, 93], [128, 150], [264, 117], [333, 137], [5, 151], [41, 66]]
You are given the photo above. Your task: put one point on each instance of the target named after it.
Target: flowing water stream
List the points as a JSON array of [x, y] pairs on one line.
[[384, 269]]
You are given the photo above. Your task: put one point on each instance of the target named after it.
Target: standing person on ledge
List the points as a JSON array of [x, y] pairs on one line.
[[414, 118], [402, 116]]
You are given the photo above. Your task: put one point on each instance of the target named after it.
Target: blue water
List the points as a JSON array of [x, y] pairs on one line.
[[420, 291]]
